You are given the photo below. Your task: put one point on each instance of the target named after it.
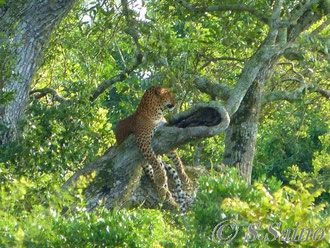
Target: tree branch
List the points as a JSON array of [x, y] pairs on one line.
[[118, 78], [256, 68], [131, 26], [132, 31], [292, 69], [300, 12], [215, 90], [294, 95], [306, 17], [118, 171], [218, 8], [220, 59], [44, 91], [274, 22]]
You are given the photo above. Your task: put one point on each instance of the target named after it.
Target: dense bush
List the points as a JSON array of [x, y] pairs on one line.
[[27, 221], [226, 197], [291, 135], [43, 225]]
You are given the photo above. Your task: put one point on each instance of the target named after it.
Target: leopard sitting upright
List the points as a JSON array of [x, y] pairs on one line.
[[143, 123]]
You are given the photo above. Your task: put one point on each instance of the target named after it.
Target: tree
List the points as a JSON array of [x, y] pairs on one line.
[[241, 102], [284, 29], [183, 45], [99, 61], [25, 30]]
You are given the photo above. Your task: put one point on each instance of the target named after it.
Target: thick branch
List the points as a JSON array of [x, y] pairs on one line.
[[118, 171], [218, 8], [216, 90], [294, 95], [274, 21], [256, 68]]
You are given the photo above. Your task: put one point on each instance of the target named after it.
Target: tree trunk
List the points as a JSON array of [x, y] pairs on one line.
[[242, 132], [27, 26]]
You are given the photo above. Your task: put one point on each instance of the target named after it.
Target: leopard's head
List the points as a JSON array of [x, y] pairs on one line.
[[165, 97], [155, 100]]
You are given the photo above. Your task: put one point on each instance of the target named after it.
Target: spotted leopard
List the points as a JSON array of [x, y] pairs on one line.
[[143, 123]]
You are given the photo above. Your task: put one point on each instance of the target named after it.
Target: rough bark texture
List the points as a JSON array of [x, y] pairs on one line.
[[242, 132], [28, 26], [117, 173]]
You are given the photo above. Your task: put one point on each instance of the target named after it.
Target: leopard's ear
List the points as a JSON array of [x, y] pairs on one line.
[[160, 90]]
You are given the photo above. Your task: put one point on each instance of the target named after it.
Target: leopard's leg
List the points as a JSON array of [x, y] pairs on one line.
[[181, 196], [173, 155], [147, 168], [178, 185], [143, 140]]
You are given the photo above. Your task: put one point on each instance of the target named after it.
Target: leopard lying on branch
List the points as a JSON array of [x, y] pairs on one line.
[[143, 124]]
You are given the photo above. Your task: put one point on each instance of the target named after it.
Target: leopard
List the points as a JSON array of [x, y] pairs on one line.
[[143, 123]]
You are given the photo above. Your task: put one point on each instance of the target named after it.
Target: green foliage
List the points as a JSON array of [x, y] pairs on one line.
[[5, 97], [57, 138], [291, 136], [27, 222], [226, 196], [319, 177]]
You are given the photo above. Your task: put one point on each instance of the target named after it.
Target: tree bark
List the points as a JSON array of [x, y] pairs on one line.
[[27, 26], [241, 134]]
